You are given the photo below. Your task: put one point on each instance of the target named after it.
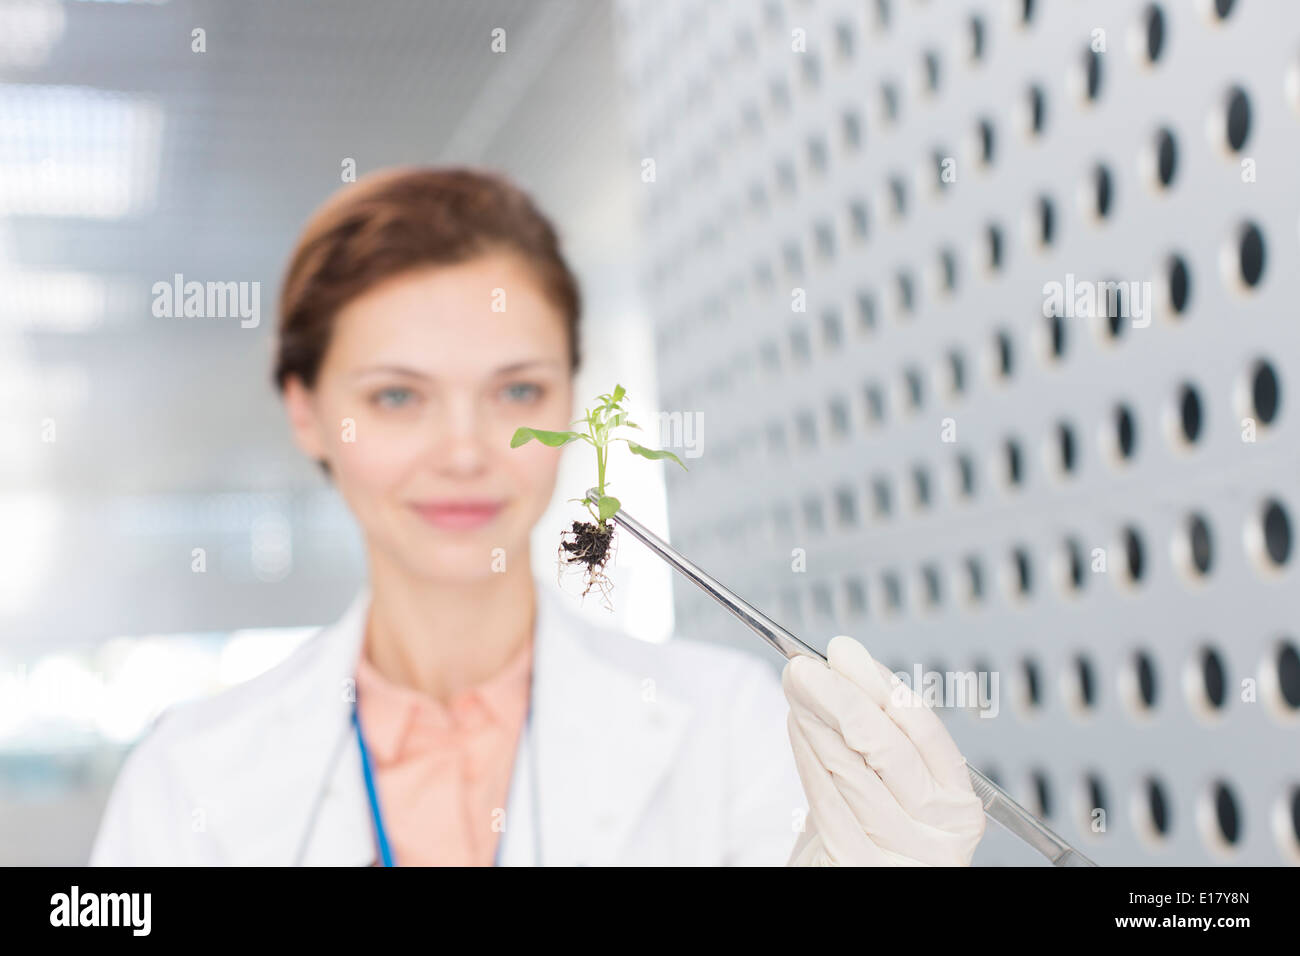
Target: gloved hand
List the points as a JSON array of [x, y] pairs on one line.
[[886, 784]]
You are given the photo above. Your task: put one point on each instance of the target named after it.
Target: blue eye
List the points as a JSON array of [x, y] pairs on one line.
[[531, 392], [394, 397]]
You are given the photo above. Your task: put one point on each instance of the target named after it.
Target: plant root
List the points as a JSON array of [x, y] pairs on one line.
[[589, 547]]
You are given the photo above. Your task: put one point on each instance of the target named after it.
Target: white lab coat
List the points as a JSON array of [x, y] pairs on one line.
[[647, 754]]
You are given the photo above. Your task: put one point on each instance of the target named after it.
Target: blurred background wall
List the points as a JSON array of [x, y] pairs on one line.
[[982, 314]]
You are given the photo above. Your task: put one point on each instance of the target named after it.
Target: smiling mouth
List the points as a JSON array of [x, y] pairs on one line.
[[458, 515]]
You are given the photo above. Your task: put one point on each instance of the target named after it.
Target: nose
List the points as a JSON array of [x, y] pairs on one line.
[[461, 448]]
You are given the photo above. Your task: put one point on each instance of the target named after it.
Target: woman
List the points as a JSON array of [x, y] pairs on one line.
[[460, 712]]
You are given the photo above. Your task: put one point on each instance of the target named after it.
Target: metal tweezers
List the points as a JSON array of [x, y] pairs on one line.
[[998, 804]]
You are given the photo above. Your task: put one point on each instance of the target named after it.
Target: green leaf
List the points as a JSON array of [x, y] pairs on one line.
[[620, 419], [608, 507], [554, 439], [651, 453], [619, 392]]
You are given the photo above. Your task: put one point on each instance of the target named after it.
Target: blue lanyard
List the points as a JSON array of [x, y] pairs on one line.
[[381, 835], [377, 818]]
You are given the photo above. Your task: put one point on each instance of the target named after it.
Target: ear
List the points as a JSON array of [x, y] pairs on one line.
[[300, 404]]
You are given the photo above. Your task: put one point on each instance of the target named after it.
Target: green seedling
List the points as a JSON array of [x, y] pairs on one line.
[[586, 544]]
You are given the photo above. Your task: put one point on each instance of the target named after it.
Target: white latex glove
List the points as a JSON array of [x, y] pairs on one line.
[[886, 784]]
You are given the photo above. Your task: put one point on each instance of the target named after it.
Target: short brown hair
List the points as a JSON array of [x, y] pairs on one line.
[[395, 220]]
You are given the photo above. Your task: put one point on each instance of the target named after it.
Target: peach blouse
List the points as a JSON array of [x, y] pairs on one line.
[[442, 771]]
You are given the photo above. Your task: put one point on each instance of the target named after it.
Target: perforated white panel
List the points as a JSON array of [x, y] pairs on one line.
[[955, 461]]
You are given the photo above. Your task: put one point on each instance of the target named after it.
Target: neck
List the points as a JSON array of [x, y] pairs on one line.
[[442, 638]]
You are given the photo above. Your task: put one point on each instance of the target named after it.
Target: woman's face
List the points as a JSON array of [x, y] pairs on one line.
[[426, 378]]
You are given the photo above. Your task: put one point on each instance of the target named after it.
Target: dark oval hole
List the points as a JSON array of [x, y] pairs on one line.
[[1264, 392], [1155, 32], [1032, 694], [948, 265], [1065, 446], [1166, 157], [986, 142], [1179, 284], [1037, 110], [1198, 533], [1092, 72], [1043, 794], [1056, 331], [1214, 677], [1251, 255], [975, 575], [881, 497], [1077, 578], [1046, 221], [893, 592], [1288, 675], [1004, 355], [1096, 795], [1102, 187], [1277, 533], [1227, 813], [1114, 308], [898, 197], [933, 593], [993, 238], [976, 38], [1189, 413], [1133, 555], [1125, 432], [915, 390], [1145, 671], [932, 72], [1087, 687], [1024, 572], [1157, 807], [921, 487], [1238, 118], [1012, 451], [966, 470]]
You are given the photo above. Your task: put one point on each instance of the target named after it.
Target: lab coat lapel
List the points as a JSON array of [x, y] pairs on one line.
[[340, 833], [605, 737], [300, 795]]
